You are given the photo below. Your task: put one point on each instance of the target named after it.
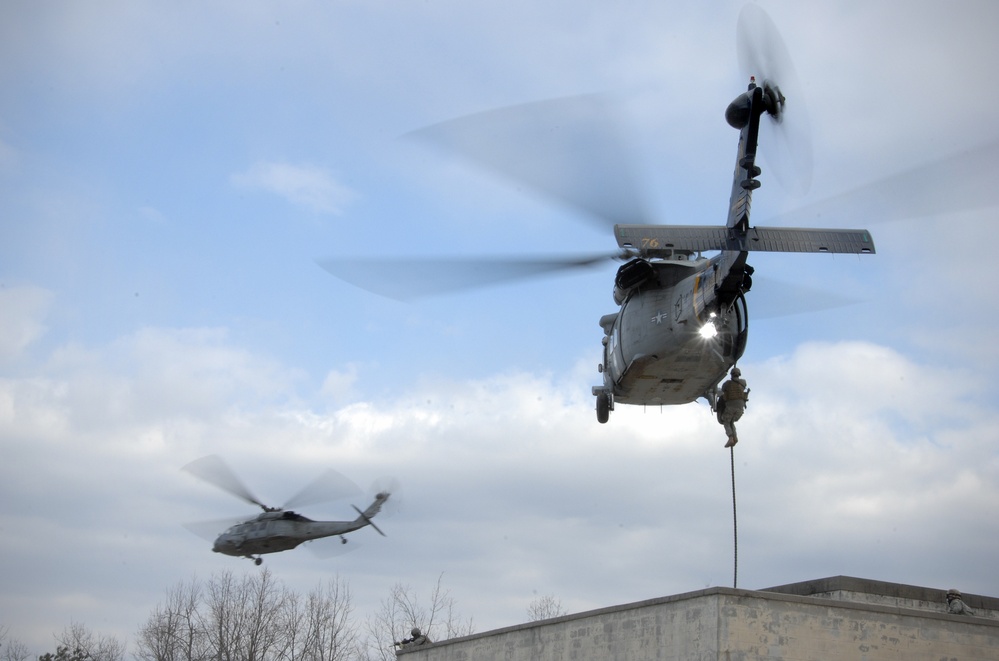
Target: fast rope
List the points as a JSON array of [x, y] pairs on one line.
[[735, 527]]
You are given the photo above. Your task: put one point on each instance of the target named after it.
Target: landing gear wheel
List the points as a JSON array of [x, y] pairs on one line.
[[257, 561], [603, 408]]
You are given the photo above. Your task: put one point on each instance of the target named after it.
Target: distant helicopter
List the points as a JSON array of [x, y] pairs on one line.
[[682, 321], [279, 529]]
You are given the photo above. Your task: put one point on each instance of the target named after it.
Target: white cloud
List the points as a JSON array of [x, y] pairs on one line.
[[22, 314], [312, 187], [509, 472], [339, 384]]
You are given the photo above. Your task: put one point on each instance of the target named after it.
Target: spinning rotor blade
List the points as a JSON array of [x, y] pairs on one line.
[[962, 182], [209, 530], [786, 142], [571, 149], [331, 485], [773, 299], [213, 470], [406, 279]]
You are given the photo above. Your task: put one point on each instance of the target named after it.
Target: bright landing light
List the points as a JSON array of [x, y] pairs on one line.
[[708, 330]]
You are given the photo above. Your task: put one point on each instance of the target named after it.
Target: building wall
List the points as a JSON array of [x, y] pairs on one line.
[[804, 628], [733, 625], [664, 629]]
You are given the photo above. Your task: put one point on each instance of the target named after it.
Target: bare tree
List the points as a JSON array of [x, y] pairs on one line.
[[382, 627], [264, 605], [242, 618], [545, 607], [82, 642], [252, 618], [223, 621], [292, 647], [10, 648], [174, 630], [15, 650], [403, 610], [330, 634]]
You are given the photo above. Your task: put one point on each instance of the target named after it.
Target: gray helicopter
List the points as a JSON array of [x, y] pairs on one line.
[[277, 528], [682, 320]]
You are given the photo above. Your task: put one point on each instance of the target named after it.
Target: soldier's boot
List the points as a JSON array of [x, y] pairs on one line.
[[732, 440]]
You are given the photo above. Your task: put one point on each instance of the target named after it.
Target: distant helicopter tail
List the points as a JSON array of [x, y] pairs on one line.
[[364, 518]]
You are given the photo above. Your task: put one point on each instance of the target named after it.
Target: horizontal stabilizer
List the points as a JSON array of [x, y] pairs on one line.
[[663, 240]]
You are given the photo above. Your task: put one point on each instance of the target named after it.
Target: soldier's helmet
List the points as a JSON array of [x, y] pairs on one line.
[[415, 632], [736, 371]]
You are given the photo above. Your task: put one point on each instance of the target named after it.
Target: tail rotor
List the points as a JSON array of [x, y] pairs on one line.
[[763, 55]]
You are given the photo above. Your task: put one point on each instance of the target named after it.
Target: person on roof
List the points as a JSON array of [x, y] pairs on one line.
[[416, 638], [955, 603]]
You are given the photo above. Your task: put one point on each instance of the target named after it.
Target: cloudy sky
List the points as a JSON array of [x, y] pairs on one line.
[[170, 173]]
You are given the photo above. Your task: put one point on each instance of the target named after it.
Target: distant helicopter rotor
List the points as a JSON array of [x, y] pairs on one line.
[[330, 485], [213, 470]]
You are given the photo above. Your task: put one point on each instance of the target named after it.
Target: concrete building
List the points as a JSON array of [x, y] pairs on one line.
[[821, 620]]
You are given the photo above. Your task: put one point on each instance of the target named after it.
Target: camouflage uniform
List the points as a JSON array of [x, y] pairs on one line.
[[956, 605], [733, 396], [417, 639]]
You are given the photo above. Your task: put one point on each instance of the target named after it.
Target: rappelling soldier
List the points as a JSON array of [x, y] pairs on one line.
[[732, 399]]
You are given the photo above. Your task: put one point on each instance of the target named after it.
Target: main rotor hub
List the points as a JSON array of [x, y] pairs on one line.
[[773, 100], [743, 109]]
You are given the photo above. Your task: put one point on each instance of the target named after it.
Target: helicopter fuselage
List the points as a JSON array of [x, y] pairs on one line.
[[280, 530], [676, 333], [272, 532]]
